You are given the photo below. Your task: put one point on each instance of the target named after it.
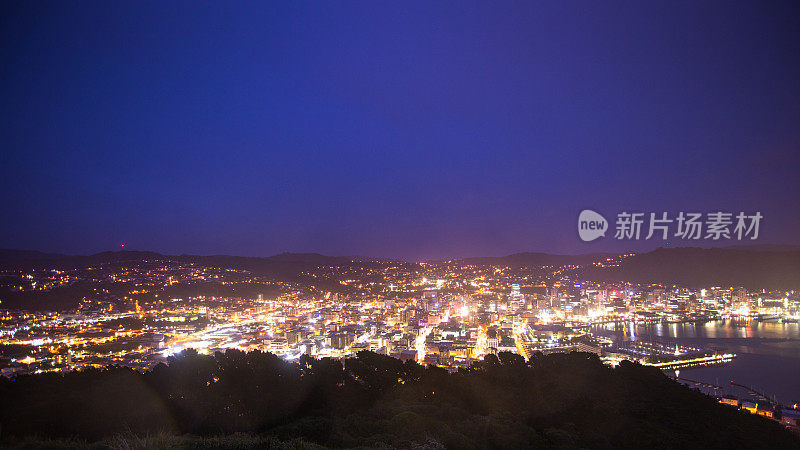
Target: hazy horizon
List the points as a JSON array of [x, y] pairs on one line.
[[758, 246]]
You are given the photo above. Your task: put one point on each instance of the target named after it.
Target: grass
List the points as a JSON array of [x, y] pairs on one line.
[[165, 441]]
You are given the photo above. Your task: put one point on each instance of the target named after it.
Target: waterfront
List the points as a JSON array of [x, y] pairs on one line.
[[768, 353]]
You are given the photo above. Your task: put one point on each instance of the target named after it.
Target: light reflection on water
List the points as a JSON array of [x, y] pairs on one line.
[[775, 337], [768, 353]]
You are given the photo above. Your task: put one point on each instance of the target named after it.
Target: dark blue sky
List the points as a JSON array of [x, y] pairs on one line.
[[416, 130]]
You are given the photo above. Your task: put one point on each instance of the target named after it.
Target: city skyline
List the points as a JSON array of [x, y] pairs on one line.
[[139, 310], [359, 224]]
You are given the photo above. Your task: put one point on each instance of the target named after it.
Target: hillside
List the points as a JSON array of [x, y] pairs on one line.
[[756, 267], [282, 263], [561, 400], [767, 266], [534, 259], [698, 267]]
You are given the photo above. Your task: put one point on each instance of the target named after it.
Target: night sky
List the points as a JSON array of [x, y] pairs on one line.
[[412, 130]]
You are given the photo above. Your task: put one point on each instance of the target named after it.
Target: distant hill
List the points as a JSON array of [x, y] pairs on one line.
[[754, 266], [284, 264], [758, 266], [707, 267], [7, 255], [766, 247], [34, 259], [124, 255], [533, 259], [283, 267], [312, 258]]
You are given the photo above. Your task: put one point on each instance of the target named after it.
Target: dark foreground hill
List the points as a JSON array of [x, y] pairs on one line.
[[562, 401]]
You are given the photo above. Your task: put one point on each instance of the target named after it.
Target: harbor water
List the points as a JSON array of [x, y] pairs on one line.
[[767, 353]]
